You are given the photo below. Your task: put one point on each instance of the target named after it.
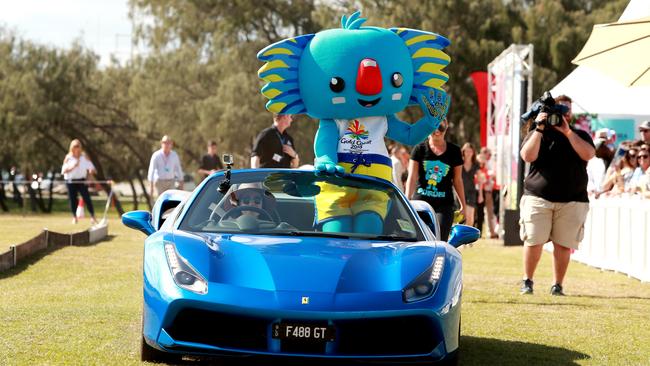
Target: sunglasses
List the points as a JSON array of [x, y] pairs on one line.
[[643, 156], [249, 200], [442, 128]]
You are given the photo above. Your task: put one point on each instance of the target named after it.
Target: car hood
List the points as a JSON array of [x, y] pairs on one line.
[[292, 263]]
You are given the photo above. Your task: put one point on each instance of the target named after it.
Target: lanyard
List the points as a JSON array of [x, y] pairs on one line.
[[280, 136], [165, 161]]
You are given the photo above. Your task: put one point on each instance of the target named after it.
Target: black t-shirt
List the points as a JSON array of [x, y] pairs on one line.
[[209, 162], [558, 174], [268, 146], [436, 173]]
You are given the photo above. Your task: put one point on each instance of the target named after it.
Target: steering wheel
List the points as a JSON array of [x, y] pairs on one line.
[[239, 209]]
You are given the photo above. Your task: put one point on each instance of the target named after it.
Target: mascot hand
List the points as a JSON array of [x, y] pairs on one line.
[[324, 165], [434, 105]]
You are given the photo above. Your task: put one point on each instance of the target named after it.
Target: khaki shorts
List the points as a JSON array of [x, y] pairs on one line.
[[542, 221], [163, 185]]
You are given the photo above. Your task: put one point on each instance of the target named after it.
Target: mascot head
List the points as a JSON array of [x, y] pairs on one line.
[[352, 71]]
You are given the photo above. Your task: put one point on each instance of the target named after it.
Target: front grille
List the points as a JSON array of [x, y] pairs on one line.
[[371, 336], [387, 336], [314, 347], [220, 330]]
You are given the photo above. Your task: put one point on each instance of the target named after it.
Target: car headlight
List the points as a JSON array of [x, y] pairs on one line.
[[184, 275], [424, 285]]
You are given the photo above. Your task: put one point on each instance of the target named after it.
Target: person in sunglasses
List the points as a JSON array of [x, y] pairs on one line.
[[252, 195], [435, 171], [638, 181]]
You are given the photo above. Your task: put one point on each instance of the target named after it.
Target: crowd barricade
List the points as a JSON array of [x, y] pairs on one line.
[[617, 236], [50, 239]]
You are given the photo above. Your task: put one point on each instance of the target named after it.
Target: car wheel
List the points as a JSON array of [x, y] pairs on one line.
[[452, 358], [150, 354]]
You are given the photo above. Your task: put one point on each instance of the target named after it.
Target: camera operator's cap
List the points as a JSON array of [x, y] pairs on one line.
[[645, 125], [611, 133], [602, 133]]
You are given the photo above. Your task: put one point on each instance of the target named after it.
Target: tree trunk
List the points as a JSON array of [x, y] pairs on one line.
[[116, 201], [135, 195], [3, 197], [50, 200], [144, 189]]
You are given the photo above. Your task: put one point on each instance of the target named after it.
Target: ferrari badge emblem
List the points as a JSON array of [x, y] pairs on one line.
[[305, 300]]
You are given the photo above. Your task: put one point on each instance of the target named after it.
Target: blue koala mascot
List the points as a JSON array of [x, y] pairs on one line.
[[354, 79]]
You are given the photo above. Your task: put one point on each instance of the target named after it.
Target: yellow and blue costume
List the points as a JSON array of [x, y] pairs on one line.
[[354, 79]]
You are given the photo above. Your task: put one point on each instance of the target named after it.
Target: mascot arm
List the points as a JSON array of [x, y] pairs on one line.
[[434, 107], [325, 147]]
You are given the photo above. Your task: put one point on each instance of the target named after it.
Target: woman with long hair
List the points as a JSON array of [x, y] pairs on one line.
[[435, 171], [618, 179], [76, 169], [470, 167]]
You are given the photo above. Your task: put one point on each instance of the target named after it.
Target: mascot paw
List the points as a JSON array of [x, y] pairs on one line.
[[435, 105], [328, 167]]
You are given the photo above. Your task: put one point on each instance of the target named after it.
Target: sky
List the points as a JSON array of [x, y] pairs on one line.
[[102, 25]]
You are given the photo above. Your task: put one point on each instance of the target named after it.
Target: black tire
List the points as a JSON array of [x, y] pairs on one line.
[[150, 354], [451, 359]]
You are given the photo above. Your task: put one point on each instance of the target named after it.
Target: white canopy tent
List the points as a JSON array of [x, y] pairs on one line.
[[595, 93]]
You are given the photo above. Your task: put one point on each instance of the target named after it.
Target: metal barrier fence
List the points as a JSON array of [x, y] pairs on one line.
[[617, 236], [46, 239]]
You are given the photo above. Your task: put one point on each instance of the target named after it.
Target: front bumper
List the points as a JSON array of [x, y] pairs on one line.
[[199, 328]]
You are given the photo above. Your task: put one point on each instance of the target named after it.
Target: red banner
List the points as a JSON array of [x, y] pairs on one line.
[[480, 84]]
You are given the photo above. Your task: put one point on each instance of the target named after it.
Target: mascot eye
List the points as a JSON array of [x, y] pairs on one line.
[[337, 84], [397, 80]]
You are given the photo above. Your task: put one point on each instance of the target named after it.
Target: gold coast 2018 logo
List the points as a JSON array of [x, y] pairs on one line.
[[356, 131]]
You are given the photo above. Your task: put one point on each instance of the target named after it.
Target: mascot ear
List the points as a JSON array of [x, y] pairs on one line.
[[428, 59], [280, 72]]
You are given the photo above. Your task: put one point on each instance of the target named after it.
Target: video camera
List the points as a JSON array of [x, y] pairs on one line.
[[547, 105]]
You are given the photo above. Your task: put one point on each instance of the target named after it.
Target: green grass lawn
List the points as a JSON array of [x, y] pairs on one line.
[[19, 225], [81, 306], [15, 229]]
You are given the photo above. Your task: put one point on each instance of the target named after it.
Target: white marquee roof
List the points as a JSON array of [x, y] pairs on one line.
[[594, 92]]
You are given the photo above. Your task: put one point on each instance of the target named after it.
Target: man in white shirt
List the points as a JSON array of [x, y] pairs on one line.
[[164, 168]]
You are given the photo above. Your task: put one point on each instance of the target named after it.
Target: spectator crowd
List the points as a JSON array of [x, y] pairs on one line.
[[458, 182], [622, 170]]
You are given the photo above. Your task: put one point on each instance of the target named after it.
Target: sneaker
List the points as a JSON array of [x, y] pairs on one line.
[[556, 290], [526, 287]]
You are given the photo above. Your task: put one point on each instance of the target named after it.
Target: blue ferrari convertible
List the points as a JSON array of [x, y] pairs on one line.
[[242, 266]]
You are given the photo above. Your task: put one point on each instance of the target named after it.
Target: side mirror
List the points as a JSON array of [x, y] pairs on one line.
[[463, 234], [139, 220]]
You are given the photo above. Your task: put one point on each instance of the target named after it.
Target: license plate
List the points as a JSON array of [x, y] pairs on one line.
[[304, 332]]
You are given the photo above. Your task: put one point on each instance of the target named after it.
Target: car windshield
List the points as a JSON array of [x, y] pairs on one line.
[[301, 203]]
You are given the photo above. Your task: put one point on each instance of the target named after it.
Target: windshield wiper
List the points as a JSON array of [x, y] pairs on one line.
[[340, 235], [306, 233], [393, 237], [318, 233]]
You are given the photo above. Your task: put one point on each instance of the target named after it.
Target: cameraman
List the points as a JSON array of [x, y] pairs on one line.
[[554, 205]]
